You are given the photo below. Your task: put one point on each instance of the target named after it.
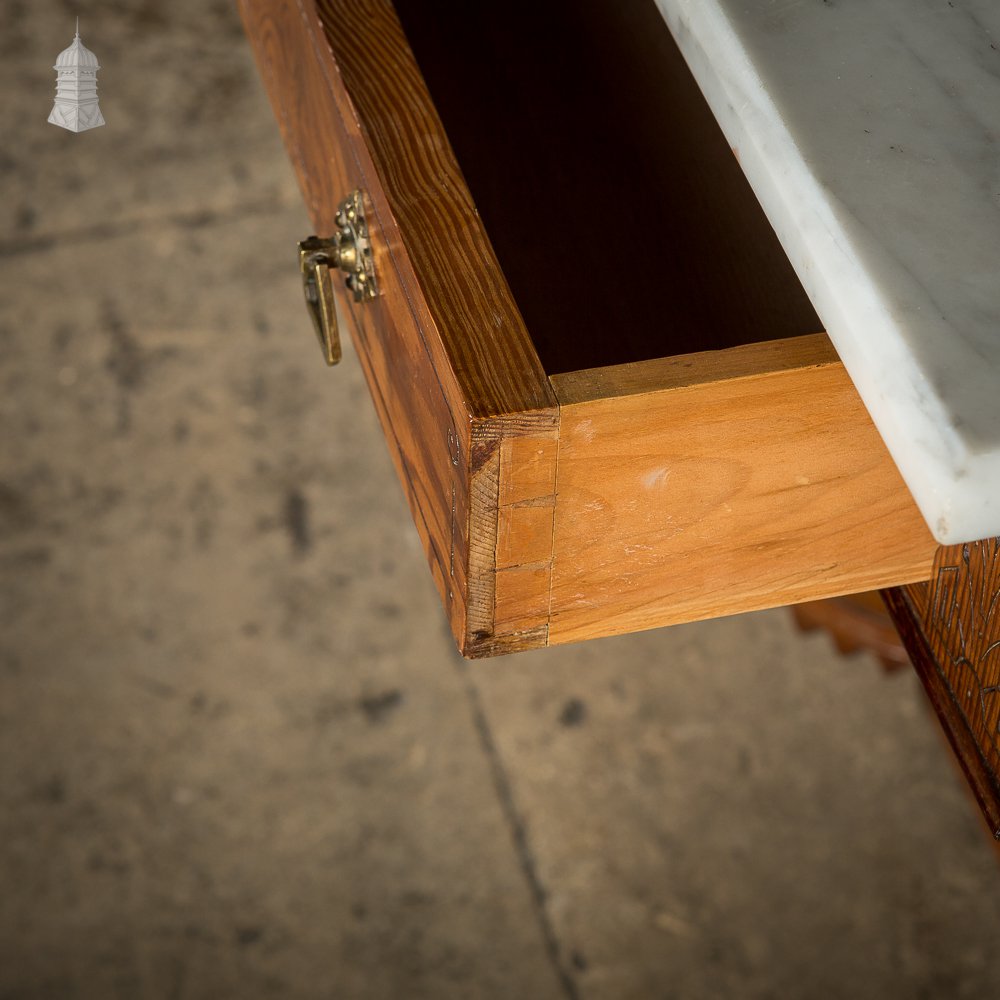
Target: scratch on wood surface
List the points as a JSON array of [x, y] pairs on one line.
[[656, 477]]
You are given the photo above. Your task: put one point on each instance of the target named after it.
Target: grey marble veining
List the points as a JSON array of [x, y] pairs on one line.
[[870, 131]]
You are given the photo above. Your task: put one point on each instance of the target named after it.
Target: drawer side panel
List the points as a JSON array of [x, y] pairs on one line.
[[480, 329], [715, 497], [418, 400]]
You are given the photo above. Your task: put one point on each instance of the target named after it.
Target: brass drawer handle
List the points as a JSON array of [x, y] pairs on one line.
[[348, 250]]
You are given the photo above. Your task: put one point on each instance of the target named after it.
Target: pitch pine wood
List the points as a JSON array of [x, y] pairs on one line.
[[484, 337], [951, 629], [450, 366], [720, 483]]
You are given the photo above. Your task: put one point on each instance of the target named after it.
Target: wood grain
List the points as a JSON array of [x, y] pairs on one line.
[[526, 511], [718, 495], [513, 502], [691, 370], [479, 325], [951, 629], [444, 350]]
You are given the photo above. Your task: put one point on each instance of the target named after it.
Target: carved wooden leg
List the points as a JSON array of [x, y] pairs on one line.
[[951, 629], [857, 623]]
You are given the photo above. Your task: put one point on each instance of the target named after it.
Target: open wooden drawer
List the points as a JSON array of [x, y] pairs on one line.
[[603, 387]]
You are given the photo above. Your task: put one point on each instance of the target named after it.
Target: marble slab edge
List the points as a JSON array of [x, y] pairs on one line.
[[954, 479]]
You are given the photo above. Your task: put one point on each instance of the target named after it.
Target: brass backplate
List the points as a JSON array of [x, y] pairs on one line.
[[349, 251]]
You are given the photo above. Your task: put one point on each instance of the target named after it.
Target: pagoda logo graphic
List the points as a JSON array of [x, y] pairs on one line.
[[76, 106]]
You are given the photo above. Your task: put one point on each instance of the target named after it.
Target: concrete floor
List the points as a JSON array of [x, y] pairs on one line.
[[238, 755]]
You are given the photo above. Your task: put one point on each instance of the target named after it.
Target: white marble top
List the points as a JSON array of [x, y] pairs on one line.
[[870, 131]]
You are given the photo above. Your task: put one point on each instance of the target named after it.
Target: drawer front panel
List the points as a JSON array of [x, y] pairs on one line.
[[451, 368], [419, 403]]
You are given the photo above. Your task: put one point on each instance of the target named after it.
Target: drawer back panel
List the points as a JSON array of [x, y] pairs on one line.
[[618, 212]]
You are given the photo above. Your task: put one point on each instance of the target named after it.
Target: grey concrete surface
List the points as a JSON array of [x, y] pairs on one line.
[[238, 755]]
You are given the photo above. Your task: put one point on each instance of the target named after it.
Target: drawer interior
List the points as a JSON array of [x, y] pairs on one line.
[[617, 209]]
